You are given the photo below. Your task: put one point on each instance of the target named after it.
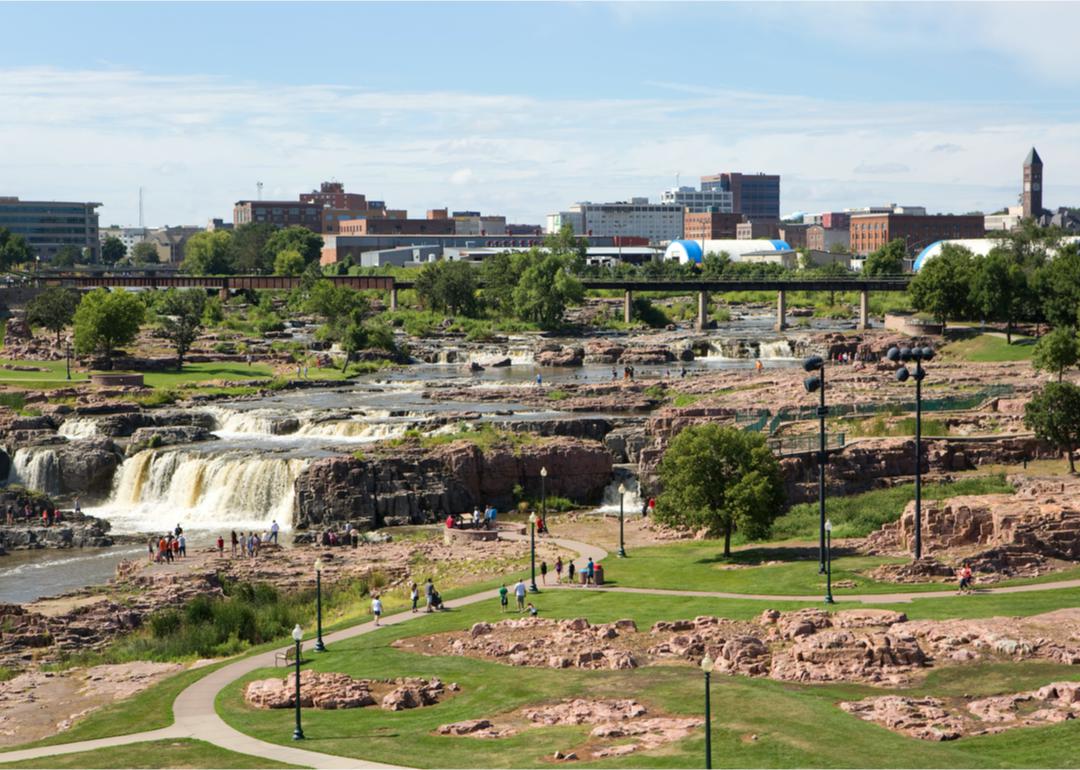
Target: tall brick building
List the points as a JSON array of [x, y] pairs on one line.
[[1033, 178], [870, 232], [710, 226]]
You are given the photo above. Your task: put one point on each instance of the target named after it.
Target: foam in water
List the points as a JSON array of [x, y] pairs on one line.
[[354, 430], [78, 427], [776, 349], [632, 503], [253, 421], [36, 468], [156, 489]]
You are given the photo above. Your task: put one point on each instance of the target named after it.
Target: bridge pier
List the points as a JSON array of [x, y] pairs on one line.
[[393, 299], [223, 292], [864, 310], [628, 306], [702, 310], [781, 311]]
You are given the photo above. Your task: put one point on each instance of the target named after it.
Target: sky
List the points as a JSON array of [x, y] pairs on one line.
[[524, 108]]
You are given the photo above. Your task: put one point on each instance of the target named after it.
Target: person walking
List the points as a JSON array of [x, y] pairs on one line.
[[570, 572], [590, 572], [414, 595], [504, 601], [558, 570], [429, 593], [78, 509], [181, 546], [376, 608], [543, 572], [235, 542], [273, 531], [220, 545], [519, 592]]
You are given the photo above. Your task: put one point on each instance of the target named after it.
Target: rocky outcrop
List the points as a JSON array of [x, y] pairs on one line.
[[92, 533], [87, 466], [147, 438], [424, 486], [331, 691], [560, 356]]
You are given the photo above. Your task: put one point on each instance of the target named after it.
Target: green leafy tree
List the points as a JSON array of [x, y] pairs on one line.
[[54, 309], [67, 256], [180, 317], [888, 260], [112, 250], [1057, 284], [209, 253], [501, 273], [213, 312], [335, 303], [999, 289], [251, 254], [14, 250], [144, 253], [942, 286], [289, 262], [1057, 351], [546, 288], [104, 320], [565, 244], [308, 244], [448, 286], [722, 479], [1054, 415]]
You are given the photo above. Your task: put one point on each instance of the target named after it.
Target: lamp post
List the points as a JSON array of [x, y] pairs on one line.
[[67, 352], [707, 667], [532, 552], [918, 355], [813, 383], [319, 646], [297, 635], [828, 562], [543, 494], [622, 500]]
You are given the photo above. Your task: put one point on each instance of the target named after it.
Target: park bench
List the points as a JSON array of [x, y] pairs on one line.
[[287, 656]]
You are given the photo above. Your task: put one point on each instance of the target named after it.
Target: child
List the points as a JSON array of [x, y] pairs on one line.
[[414, 595], [504, 601], [532, 610], [376, 608]]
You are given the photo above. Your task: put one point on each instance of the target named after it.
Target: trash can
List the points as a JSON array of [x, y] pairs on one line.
[[599, 575], [584, 577]]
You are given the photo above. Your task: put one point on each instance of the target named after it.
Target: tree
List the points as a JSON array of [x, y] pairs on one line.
[[1057, 351], [180, 316], [107, 319], [300, 239], [14, 250], [448, 287], [565, 244], [501, 273], [112, 250], [545, 289], [54, 309], [209, 253], [289, 262], [888, 260], [999, 289], [336, 304], [1054, 415], [943, 284], [722, 479], [250, 252], [67, 256], [144, 253], [1057, 284]]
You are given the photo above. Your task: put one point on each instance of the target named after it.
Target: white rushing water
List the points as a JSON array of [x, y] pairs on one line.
[[36, 468], [360, 431], [632, 502], [78, 427], [158, 488], [776, 349]]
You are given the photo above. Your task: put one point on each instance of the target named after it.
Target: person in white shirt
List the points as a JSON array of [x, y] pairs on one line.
[[273, 531], [376, 608]]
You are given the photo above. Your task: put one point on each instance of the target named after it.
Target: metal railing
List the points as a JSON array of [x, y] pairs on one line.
[[790, 445]]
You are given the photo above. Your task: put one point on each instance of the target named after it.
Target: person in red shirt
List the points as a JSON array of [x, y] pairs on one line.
[[220, 545], [450, 521]]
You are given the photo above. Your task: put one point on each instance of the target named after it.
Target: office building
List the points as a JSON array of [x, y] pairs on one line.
[[835, 220], [332, 195], [129, 236], [820, 238], [636, 217], [697, 201], [49, 226], [756, 196], [279, 213], [473, 223], [756, 230], [870, 232], [710, 225]]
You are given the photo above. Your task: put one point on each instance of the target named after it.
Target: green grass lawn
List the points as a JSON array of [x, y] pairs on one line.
[[181, 752], [796, 725], [202, 372], [54, 376], [989, 348]]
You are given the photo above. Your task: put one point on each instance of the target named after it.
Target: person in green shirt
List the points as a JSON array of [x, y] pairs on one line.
[[503, 600]]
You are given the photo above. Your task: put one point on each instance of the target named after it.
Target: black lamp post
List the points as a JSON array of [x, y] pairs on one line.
[[918, 355], [319, 646], [297, 635], [707, 667], [68, 357], [813, 383], [532, 552], [622, 499], [828, 562], [543, 494]]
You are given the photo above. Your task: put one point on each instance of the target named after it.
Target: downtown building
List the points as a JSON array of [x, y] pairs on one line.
[[755, 196], [49, 226], [870, 231], [636, 218]]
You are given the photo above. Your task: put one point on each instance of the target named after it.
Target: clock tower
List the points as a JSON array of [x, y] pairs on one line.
[[1033, 180]]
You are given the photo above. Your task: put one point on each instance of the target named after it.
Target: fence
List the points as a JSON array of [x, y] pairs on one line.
[[790, 445]]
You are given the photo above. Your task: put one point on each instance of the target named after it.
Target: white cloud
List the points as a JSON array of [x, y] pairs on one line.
[[199, 143]]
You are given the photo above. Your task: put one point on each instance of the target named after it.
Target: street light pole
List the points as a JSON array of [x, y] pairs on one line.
[[622, 499], [817, 382], [319, 646], [707, 667], [68, 356], [543, 495], [828, 563], [532, 552], [297, 635], [918, 355]]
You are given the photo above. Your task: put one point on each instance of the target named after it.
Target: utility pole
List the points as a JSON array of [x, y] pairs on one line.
[[259, 186], [141, 207]]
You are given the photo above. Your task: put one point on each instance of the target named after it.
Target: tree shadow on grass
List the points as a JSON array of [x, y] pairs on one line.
[[758, 556]]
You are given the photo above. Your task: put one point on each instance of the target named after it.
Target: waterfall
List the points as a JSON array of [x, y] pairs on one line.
[[36, 468], [252, 421], [78, 427], [632, 503], [157, 488], [354, 430], [776, 349]]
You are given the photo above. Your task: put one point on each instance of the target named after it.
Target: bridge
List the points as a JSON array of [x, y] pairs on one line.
[[702, 287]]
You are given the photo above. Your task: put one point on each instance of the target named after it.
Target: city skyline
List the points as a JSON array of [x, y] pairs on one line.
[[852, 104]]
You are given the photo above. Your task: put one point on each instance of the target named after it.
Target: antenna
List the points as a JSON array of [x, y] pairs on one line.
[[258, 185], [140, 207], [676, 180]]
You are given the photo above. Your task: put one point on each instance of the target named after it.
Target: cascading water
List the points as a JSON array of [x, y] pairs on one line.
[[78, 427], [252, 421], [632, 502], [157, 488], [354, 430], [36, 468], [776, 349]]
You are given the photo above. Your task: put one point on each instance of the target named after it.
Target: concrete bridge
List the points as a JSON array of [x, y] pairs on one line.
[[702, 287]]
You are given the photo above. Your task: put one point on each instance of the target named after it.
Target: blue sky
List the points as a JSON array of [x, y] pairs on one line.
[[523, 108]]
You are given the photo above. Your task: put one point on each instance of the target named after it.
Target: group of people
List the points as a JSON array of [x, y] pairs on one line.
[[587, 573], [432, 599], [519, 594], [485, 519], [49, 515], [349, 536], [967, 580], [169, 547]]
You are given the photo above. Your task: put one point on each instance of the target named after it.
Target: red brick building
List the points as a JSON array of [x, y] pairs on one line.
[[332, 195], [870, 232], [794, 235], [710, 226], [397, 227], [750, 230], [279, 213]]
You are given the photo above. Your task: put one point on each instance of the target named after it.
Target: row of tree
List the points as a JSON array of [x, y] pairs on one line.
[[255, 248]]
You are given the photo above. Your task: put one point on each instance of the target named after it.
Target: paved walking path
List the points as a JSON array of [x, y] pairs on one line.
[[195, 715]]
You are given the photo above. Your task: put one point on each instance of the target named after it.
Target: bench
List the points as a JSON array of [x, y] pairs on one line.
[[286, 656]]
